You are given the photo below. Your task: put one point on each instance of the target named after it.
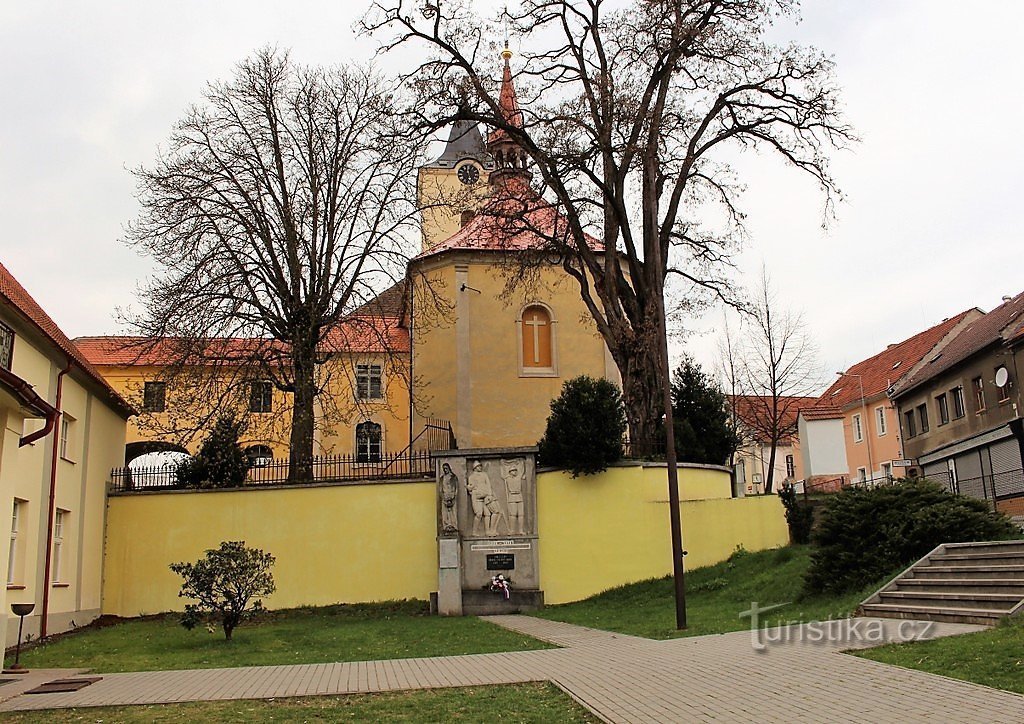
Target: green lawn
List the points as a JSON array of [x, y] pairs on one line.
[[299, 636], [534, 703], [994, 657], [715, 596]]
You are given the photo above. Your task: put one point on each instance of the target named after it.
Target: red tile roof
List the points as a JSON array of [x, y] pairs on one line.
[[823, 412], [999, 325], [887, 367], [516, 218], [16, 295], [362, 334], [752, 411]]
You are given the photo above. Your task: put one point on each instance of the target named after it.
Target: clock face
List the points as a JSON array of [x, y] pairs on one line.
[[468, 173]]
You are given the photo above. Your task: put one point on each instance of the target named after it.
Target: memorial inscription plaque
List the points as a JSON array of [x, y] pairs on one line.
[[501, 561]]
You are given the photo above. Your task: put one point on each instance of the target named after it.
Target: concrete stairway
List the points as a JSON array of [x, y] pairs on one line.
[[957, 582]]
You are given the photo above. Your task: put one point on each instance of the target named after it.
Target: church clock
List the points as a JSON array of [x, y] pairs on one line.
[[468, 174]]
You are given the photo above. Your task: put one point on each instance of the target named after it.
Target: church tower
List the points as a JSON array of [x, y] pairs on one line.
[[454, 185]]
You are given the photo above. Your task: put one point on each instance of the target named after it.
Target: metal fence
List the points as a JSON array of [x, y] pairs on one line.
[[321, 469]]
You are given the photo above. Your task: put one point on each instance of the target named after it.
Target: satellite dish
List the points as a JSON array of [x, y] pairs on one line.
[[1002, 377]]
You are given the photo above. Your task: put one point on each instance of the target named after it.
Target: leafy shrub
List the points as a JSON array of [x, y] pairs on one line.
[[585, 428], [714, 584], [221, 462], [799, 516], [227, 584], [866, 534]]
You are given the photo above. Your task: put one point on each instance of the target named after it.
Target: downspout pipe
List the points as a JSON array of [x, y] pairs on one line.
[[51, 507]]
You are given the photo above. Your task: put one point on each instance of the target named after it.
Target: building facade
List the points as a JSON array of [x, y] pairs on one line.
[[63, 430], [960, 411]]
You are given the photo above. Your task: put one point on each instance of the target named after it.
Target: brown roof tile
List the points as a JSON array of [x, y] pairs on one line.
[[878, 373], [995, 327]]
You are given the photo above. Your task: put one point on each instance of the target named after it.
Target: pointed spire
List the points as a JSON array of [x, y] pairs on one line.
[[506, 152]]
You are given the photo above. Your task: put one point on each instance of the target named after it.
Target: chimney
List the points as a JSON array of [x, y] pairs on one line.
[[1007, 298]]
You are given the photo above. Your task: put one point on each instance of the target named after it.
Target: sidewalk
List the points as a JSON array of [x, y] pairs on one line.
[[620, 678]]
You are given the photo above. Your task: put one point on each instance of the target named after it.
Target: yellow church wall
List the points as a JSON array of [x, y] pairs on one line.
[[442, 199], [602, 531], [337, 543], [470, 365], [434, 343], [374, 542]]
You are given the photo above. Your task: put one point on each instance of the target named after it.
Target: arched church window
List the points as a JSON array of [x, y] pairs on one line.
[[467, 216], [537, 338], [368, 442], [260, 456]]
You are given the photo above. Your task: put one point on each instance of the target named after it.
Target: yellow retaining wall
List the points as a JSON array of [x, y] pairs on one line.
[[349, 543], [374, 542], [603, 531]]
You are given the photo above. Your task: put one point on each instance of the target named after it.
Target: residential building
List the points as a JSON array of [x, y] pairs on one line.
[[63, 430], [753, 458], [822, 449], [871, 430], [960, 411]]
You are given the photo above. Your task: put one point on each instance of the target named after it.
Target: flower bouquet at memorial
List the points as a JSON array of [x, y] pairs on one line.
[[500, 584]]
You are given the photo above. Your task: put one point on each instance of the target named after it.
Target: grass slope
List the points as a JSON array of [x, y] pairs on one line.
[[715, 596], [525, 703], [994, 657], [298, 636]]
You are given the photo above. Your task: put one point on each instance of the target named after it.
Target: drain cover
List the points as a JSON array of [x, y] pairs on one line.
[[64, 685]]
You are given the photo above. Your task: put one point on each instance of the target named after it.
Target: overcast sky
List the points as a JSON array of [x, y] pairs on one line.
[[930, 226]]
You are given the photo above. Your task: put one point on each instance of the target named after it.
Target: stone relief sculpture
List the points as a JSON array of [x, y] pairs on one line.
[[449, 492], [513, 472], [486, 508]]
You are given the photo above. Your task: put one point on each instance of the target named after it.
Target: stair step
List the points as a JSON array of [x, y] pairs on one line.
[[931, 613], [966, 572], [963, 585], [986, 547], [988, 601], [977, 557]]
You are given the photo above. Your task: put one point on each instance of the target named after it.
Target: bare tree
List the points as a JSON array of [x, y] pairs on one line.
[[281, 204], [728, 373], [625, 117], [778, 370], [629, 110]]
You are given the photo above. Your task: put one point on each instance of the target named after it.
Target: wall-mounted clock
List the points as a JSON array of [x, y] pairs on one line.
[[468, 174]]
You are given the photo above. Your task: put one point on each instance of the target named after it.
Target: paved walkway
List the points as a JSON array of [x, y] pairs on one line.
[[788, 675]]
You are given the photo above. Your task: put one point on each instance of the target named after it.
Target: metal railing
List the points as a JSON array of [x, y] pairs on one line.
[[412, 462]]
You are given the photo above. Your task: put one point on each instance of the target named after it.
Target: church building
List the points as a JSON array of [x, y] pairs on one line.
[[471, 337]]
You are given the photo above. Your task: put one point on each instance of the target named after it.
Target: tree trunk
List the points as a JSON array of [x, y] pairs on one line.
[[300, 446], [770, 474], [641, 396]]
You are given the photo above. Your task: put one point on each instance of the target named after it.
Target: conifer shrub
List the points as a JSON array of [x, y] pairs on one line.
[[799, 515], [221, 461], [865, 534], [585, 428]]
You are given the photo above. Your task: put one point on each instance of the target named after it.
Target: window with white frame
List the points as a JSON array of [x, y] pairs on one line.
[[67, 424], [369, 382], [12, 553], [862, 474], [880, 420], [957, 394], [60, 518], [369, 440], [858, 428]]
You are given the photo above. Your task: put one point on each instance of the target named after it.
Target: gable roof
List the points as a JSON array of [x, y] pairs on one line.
[[879, 372], [750, 409], [23, 303], [1001, 324], [823, 412]]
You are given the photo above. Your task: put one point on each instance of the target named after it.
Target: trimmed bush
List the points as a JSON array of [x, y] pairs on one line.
[[221, 462], [585, 428], [866, 534]]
